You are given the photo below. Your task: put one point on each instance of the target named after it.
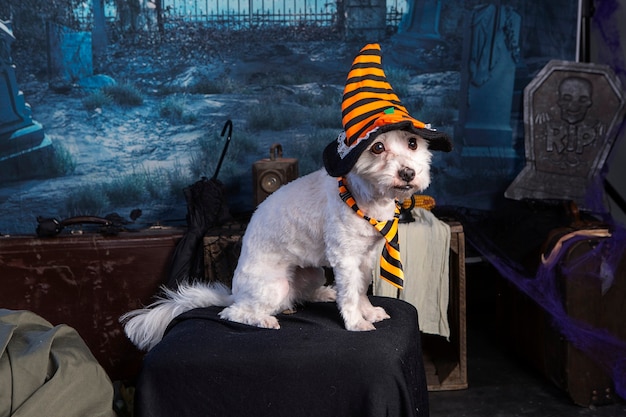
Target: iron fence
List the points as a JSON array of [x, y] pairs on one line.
[[236, 14], [247, 13]]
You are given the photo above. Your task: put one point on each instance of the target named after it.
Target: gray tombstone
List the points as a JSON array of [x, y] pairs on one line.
[[418, 36], [421, 26], [20, 136], [572, 112], [69, 53], [490, 55], [364, 19], [14, 112]]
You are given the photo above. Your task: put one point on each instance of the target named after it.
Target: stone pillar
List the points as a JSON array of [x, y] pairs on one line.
[[490, 54], [365, 19], [20, 136]]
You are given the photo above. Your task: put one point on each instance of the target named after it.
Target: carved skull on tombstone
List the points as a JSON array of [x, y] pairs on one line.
[[575, 130], [575, 98]]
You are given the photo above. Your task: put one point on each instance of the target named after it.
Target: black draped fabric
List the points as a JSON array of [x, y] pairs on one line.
[[312, 366]]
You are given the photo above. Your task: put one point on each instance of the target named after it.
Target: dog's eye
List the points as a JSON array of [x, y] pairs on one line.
[[378, 148], [413, 143]]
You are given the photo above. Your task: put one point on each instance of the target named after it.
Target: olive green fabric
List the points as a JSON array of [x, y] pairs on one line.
[[48, 370]]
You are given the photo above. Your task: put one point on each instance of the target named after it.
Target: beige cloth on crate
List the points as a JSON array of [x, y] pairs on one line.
[[424, 249]]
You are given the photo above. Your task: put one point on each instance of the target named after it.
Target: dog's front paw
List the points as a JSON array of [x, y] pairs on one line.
[[360, 326], [375, 314], [268, 322]]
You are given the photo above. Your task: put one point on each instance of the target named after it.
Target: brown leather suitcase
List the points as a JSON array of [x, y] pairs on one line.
[[88, 281]]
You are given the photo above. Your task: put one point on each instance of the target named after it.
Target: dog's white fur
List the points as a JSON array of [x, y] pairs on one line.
[[296, 231]]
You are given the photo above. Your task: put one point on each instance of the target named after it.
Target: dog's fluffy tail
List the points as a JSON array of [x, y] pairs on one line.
[[145, 327]]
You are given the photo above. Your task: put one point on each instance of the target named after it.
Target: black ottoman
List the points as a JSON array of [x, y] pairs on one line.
[[312, 366]]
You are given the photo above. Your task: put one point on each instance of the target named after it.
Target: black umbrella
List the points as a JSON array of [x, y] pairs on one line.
[[206, 208]]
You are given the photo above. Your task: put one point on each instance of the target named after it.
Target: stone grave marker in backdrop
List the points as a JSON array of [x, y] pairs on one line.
[[421, 24], [490, 54], [69, 54], [23, 144], [417, 35], [365, 19]]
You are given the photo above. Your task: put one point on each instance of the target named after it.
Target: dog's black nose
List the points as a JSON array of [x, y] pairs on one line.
[[407, 174]]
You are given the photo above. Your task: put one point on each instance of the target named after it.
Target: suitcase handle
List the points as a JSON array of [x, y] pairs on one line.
[[47, 227]]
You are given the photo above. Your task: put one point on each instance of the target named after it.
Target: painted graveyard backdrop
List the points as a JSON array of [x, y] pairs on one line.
[[459, 65]]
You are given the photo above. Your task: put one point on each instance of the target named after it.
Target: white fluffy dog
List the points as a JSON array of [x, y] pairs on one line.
[[296, 231], [383, 155]]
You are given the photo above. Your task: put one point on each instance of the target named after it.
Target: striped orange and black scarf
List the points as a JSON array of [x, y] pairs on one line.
[[390, 263]]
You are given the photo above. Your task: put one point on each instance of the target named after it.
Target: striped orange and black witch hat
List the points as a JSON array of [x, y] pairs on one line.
[[371, 107]]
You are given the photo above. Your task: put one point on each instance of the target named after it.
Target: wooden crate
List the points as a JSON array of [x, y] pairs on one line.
[[222, 246], [445, 361]]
